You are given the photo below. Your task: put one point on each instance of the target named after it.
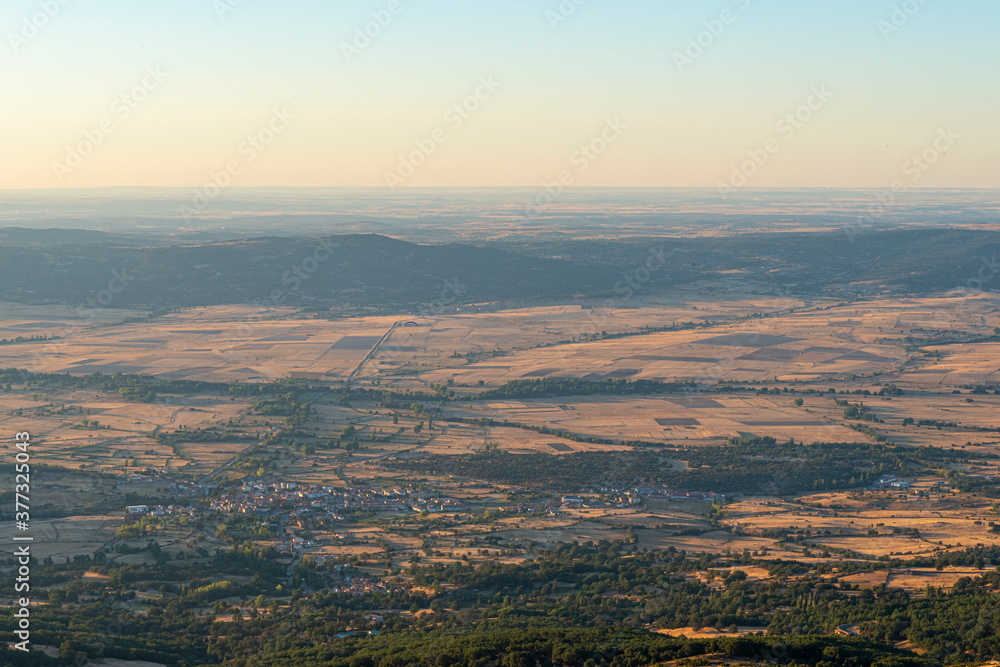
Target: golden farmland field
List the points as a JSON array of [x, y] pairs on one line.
[[744, 344]]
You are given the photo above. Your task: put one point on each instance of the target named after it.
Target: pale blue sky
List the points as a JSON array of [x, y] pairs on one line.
[[354, 120]]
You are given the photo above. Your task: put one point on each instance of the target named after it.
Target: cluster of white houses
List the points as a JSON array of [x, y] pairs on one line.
[[135, 511], [265, 498]]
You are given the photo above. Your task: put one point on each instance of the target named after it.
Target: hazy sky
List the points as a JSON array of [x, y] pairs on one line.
[[329, 109]]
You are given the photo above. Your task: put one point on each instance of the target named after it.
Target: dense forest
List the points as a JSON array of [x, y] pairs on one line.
[[369, 270], [578, 604], [746, 465], [544, 387], [382, 272]]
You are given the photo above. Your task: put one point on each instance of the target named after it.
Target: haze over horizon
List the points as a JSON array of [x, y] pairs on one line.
[[500, 333], [856, 94]]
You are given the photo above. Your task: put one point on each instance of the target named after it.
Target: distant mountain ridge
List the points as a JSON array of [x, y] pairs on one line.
[[374, 271], [23, 236], [908, 260], [352, 269]]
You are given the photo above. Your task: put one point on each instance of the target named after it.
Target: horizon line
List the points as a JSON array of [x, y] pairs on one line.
[[578, 188]]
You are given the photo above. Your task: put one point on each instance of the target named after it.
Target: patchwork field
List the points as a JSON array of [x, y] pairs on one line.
[[684, 419], [761, 367], [219, 344], [430, 342], [763, 341], [885, 523], [91, 430], [754, 339], [63, 538], [955, 365], [809, 345]]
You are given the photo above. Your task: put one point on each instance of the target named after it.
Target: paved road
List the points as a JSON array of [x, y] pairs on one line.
[[847, 630], [374, 350], [371, 353], [273, 431], [243, 451]]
